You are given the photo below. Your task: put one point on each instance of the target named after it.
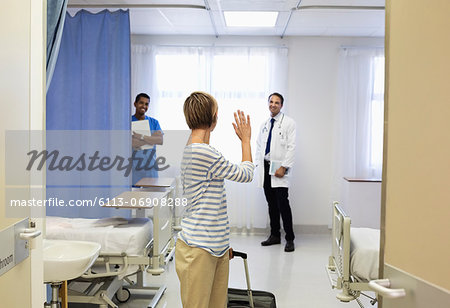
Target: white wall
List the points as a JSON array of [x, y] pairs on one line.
[[312, 97], [362, 202], [313, 71], [22, 88]]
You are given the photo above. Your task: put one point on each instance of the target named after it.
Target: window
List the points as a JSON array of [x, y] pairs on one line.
[[239, 78], [176, 76], [377, 117], [359, 131], [239, 82]]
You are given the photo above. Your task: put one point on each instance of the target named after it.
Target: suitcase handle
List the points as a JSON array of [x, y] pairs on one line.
[[243, 255]]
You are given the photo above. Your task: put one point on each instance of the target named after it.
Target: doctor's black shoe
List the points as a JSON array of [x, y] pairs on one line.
[[289, 246], [272, 240]]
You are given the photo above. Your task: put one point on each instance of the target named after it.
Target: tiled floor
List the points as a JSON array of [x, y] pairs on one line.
[[297, 279]]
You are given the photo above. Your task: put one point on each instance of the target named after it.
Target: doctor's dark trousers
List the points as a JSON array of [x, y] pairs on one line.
[[278, 202]]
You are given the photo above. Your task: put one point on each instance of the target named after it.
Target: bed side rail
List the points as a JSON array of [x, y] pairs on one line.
[[341, 241], [163, 243], [338, 268]]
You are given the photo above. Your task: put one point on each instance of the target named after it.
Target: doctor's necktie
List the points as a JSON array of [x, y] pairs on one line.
[[270, 136]]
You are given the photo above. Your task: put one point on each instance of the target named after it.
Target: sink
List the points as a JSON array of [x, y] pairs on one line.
[[65, 260]]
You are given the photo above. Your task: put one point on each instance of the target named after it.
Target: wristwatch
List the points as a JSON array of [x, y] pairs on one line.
[[142, 137]]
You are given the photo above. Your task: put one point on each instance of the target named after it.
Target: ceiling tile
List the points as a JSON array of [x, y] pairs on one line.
[[311, 22]]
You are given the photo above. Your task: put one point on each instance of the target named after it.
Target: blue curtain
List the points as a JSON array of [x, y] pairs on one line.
[[56, 12], [88, 111]]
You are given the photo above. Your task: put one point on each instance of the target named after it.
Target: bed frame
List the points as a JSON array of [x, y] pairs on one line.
[[100, 287], [338, 268]]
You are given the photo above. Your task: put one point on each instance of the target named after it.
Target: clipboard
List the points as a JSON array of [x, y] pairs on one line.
[[142, 127], [274, 165]]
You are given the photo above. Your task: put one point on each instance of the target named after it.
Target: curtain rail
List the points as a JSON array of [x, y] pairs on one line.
[[210, 45], [338, 7], [138, 6], [208, 8], [360, 47], [203, 7], [289, 18], [299, 7]]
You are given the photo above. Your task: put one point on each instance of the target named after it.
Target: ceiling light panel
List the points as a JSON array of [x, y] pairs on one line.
[[250, 19], [253, 5]]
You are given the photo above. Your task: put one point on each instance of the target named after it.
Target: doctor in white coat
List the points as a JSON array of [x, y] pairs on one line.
[[274, 159]]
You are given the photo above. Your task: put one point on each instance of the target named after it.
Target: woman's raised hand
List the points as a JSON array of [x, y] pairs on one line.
[[242, 126]]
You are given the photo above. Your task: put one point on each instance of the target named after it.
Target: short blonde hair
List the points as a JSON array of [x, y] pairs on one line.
[[200, 109]]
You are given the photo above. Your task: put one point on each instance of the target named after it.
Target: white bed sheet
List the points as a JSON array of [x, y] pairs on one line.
[[114, 234], [364, 253]]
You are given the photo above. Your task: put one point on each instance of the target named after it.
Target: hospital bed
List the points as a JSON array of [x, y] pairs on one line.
[[174, 189], [130, 247], [354, 259]]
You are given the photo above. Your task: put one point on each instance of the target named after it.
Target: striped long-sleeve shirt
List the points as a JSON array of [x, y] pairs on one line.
[[203, 171]]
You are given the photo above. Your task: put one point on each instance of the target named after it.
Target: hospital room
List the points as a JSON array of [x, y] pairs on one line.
[[224, 153]]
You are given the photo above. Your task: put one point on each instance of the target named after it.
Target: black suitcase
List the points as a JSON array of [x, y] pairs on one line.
[[247, 298]]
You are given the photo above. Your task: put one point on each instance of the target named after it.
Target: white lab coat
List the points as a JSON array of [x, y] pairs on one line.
[[282, 147]]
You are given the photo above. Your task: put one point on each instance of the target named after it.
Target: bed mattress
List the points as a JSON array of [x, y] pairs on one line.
[[114, 234], [364, 253]]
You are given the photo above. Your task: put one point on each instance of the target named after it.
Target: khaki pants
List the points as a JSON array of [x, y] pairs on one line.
[[203, 277]]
